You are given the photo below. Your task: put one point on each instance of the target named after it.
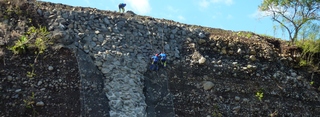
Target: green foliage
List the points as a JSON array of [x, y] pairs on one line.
[[310, 31], [311, 83], [245, 34], [12, 7], [268, 36], [292, 15], [310, 44], [31, 74], [309, 49], [14, 10], [19, 10], [39, 42], [29, 101], [41, 45], [20, 46], [303, 63], [259, 95], [216, 112]]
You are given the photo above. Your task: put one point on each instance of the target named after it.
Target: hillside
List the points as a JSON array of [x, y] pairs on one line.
[[96, 63]]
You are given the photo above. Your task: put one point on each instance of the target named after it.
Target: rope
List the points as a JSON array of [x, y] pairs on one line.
[[167, 78], [159, 36], [162, 39], [160, 82], [150, 38], [151, 45]]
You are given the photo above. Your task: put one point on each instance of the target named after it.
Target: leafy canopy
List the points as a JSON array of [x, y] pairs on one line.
[[292, 15]]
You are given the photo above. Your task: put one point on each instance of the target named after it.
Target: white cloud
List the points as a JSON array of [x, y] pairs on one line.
[[229, 17], [227, 2], [180, 17], [87, 1], [215, 1], [172, 10], [139, 6], [204, 3], [270, 12], [259, 14], [216, 15]]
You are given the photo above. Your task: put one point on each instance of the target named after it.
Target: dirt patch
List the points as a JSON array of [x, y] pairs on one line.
[[52, 91]]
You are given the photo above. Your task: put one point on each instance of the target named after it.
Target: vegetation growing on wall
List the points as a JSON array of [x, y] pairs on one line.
[[311, 50], [35, 41]]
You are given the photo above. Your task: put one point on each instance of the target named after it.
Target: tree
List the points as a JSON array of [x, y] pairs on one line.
[[292, 14], [310, 45], [310, 31]]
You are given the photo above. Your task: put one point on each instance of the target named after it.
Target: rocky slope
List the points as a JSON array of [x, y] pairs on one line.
[[211, 72]]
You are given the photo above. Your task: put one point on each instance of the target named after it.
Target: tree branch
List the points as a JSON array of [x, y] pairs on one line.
[[293, 14], [287, 28]]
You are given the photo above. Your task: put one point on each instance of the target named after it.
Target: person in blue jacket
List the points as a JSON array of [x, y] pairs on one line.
[[121, 7], [154, 65], [163, 58]]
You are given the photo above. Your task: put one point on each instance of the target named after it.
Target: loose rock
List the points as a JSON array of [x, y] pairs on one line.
[[40, 103], [50, 68], [207, 85]]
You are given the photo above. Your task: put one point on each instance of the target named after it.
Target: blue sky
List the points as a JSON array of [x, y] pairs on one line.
[[236, 15]]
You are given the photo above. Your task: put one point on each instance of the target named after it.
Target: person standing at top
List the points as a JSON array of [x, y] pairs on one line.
[[121, 7]]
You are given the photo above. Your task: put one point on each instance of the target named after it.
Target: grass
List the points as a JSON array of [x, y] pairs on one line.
[[310, 48], [244, 34], [267, 36]]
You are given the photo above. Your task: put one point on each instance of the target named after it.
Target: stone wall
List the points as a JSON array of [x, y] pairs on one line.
[[121, 45]]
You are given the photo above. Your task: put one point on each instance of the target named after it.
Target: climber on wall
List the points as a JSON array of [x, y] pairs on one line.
[[163, 58], [154, 64], [121, 7]]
